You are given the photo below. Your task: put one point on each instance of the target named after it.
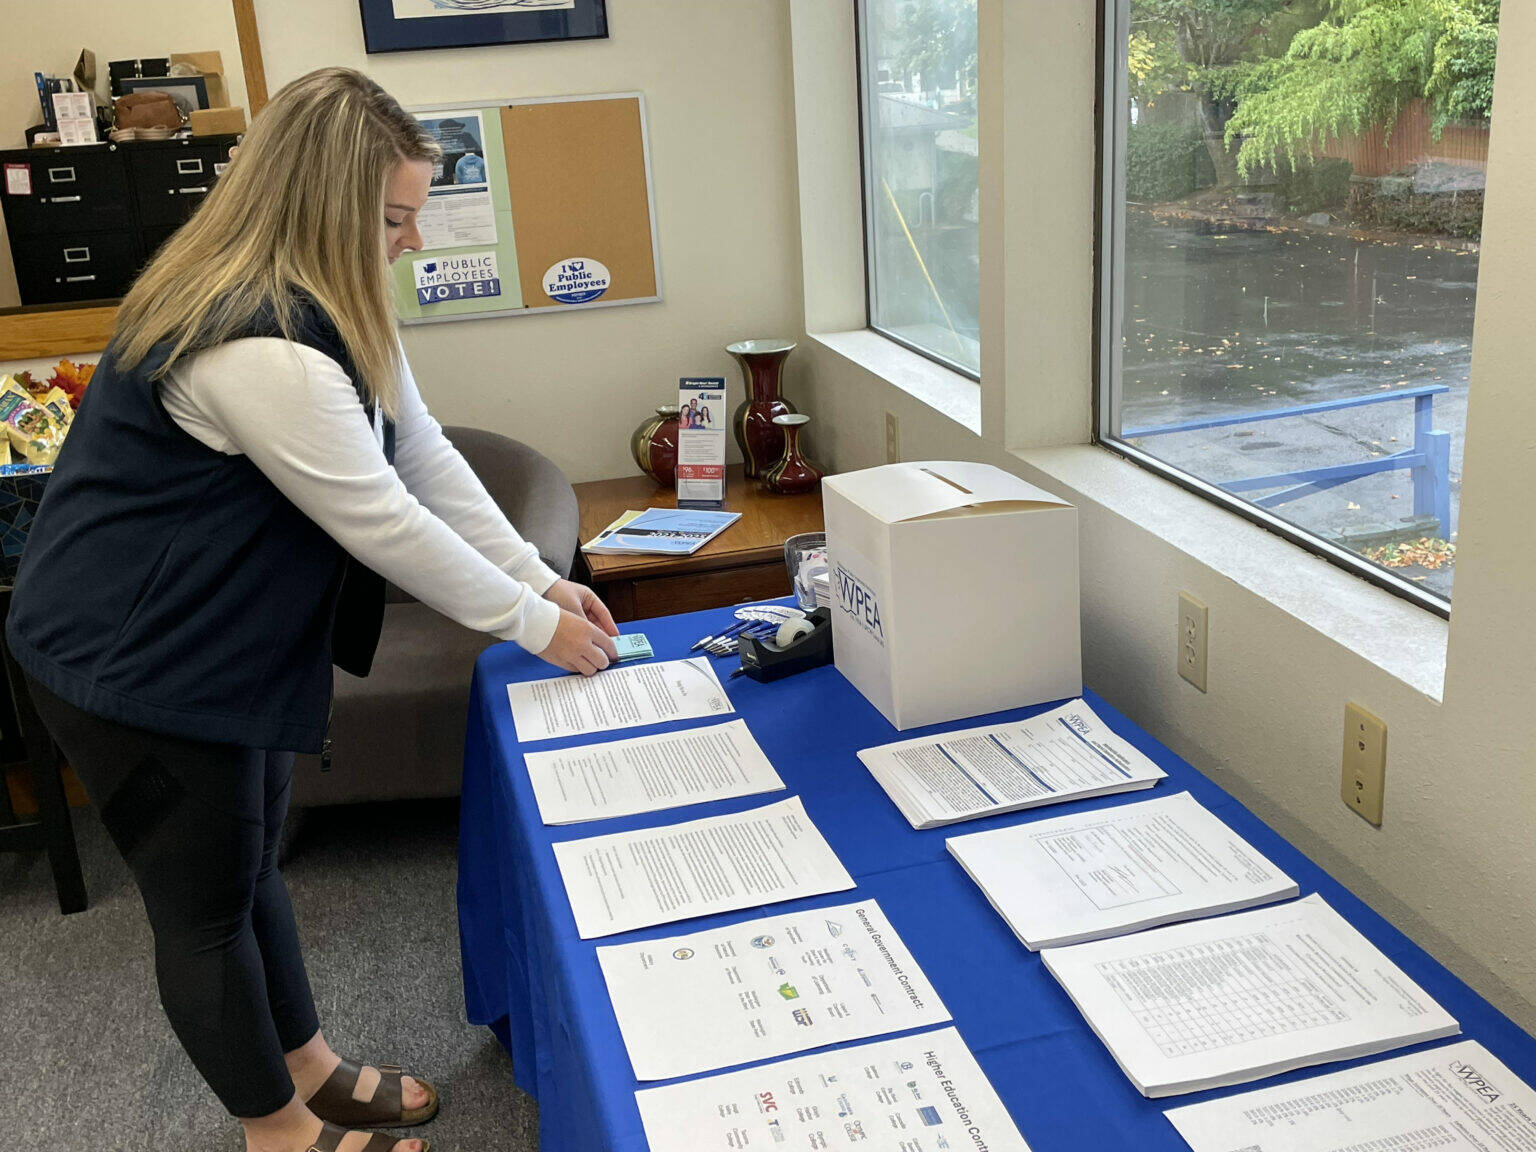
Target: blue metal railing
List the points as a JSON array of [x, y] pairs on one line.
[[1429, 459]]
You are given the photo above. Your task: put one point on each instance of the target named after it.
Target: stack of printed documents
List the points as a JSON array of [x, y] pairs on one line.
[[1455, 1098], [911, 1094], [1067, 753], [1238, 998], [765, 987], [1116, 870], [649, 876], [660, 532]]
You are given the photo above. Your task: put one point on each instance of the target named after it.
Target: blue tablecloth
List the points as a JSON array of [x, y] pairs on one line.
[[528, 976]]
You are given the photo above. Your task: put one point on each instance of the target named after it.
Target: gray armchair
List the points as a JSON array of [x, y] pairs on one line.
[[399, 732]]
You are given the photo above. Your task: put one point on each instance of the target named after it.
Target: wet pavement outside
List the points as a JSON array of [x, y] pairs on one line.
[[1232, 322]]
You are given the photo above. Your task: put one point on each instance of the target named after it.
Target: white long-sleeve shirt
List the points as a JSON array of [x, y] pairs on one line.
[[427, 524]]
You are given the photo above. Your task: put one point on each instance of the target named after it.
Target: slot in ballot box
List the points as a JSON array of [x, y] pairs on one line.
[[955, 590]]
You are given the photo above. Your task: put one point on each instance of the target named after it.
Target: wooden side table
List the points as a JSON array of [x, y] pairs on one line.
[[745, 562]]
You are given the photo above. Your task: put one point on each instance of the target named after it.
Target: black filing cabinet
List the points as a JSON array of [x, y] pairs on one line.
[[84, 220]]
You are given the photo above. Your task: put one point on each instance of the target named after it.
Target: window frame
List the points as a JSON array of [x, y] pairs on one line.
[[1112, 126], [861, 42]]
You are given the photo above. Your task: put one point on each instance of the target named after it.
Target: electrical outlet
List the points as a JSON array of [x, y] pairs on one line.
[[892, 439], [1194, 621], [1365, 762]]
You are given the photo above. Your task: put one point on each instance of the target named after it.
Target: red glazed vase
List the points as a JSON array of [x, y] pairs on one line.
[[762, 366], [793, 473], [654, 446]]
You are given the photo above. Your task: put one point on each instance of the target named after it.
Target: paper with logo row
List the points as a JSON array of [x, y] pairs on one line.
[[1458, 1098], [1116, 870], [922, 1093], [623, 697], [1067, 753], [1241, 997], [649, 773], [655, 876], [764, 988]]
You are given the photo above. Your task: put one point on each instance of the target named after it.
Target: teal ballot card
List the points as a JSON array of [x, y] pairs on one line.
[[633, 646]]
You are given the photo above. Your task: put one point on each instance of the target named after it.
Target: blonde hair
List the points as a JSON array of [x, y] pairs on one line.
[[299, 212]]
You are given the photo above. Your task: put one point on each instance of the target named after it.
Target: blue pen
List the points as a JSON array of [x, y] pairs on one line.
[[726, 641], [725, 634], [757, 631]]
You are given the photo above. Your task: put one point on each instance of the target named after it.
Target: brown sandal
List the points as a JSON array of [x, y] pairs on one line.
[[331, 1136], [335, 1104]]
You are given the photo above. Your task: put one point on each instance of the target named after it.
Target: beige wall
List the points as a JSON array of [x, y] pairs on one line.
[[716, 79], [1455, 863], [48, 38]]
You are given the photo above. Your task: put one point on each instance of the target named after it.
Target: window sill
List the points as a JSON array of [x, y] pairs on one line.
[[942, 389], [1404, 641]]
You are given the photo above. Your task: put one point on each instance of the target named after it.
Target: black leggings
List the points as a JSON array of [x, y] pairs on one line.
[[199, 826]]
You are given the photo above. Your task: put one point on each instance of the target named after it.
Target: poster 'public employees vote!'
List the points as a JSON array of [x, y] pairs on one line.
[[534, 204]]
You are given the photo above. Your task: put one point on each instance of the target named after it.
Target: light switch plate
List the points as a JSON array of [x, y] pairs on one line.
[[1365, 763], [892, 438], [1194, 622]]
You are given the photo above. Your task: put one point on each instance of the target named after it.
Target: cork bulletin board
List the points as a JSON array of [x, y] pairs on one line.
[[539, 206]]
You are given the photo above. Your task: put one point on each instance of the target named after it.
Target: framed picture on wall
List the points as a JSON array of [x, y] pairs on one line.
[[406, 25]]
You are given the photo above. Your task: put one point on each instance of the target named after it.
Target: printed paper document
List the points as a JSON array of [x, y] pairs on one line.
[[1117, 870], [1241, 997], [764, 988], [1067, 753], [912, 1094], [1452, 1099], [649, 773], [616, 698], [718, 864]]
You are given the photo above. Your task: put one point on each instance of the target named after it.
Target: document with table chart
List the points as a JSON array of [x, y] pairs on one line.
[[719, 864], [1067, 753], [1452, 1099], [622, 697], [1241, 997], [1116, 870], [922, 1093], [649, 773], [764, 987]]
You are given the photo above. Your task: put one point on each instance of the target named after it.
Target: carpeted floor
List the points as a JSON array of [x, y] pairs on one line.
[[88, 1062]]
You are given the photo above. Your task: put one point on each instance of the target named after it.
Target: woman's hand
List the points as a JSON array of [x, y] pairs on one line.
[[579, 645], [582, 601]]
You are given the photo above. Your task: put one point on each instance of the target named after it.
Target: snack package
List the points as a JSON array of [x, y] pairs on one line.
[[57, 404], [32, 431], [5, 453]]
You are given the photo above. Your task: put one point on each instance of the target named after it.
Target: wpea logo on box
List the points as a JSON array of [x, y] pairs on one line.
[[578, 280], [859, 603]]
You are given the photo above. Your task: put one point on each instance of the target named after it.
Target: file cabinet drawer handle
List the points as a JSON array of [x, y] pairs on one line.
[[61, 175], [77, 255], [191, 191], [62, 199], [192, 167], [77, 279]]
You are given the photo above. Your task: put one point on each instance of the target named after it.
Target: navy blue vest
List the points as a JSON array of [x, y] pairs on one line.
[[173, 588]]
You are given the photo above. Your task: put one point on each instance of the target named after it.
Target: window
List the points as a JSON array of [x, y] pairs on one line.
[[1292, 206], [918, 83]]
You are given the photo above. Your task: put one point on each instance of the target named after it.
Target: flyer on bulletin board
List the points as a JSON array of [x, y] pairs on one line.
[[701, 442], [535, 205]]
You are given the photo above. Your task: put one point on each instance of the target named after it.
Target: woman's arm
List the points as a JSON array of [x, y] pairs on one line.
[[294, 412], [437, 474]]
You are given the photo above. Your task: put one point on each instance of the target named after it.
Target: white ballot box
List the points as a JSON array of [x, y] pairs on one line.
[[954, 590]]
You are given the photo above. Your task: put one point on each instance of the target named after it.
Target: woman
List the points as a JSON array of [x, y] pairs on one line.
[[252, 460]]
